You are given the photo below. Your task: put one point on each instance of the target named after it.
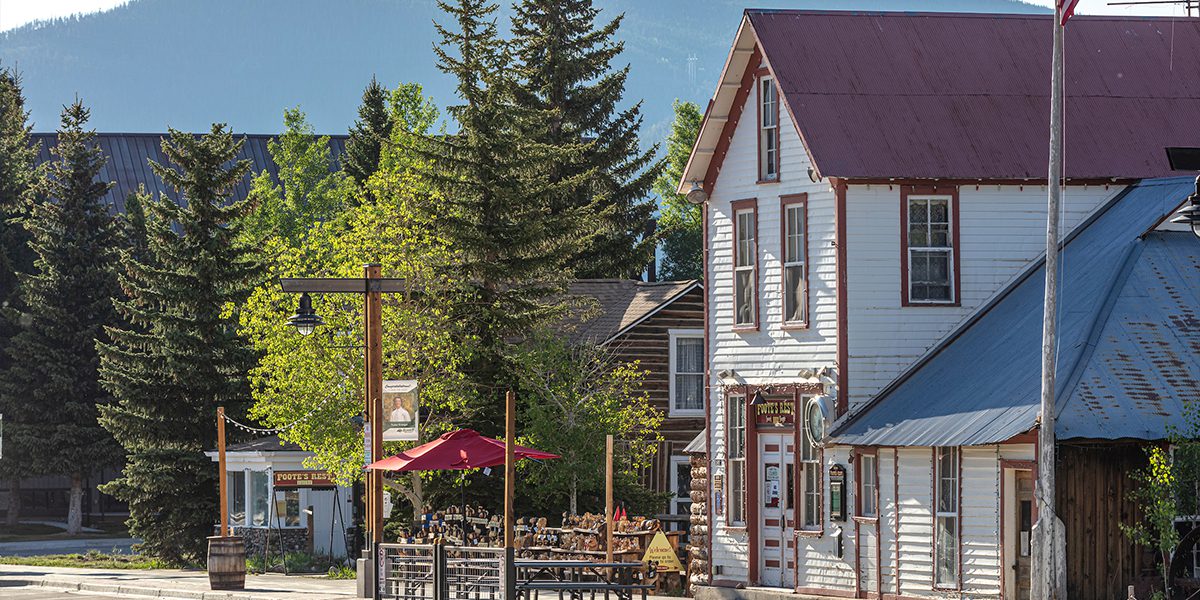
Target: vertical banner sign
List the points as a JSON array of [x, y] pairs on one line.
[[367, 444], [400, 409]]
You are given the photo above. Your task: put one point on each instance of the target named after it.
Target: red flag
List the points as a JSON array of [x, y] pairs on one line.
[[1068, 10]]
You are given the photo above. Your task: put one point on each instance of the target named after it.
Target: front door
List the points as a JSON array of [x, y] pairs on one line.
[[1019, 513], [777, 477]]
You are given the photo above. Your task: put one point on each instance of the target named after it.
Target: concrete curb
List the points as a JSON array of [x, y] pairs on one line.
[[131, 590]]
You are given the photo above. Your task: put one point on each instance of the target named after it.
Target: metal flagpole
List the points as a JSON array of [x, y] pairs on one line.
[[1049, 556]]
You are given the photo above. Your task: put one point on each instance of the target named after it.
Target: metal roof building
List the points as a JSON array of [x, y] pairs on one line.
[[1129, 343]]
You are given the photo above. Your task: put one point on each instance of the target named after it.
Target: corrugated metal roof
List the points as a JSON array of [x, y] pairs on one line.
[[699, 444], [983, 384], [620, 304], [128, 153], [929, 95]]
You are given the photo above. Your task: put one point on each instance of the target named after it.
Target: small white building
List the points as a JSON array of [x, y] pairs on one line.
[[873, 181], [269, 492]]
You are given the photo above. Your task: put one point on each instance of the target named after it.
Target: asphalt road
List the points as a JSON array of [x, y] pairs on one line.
[[29, 593]]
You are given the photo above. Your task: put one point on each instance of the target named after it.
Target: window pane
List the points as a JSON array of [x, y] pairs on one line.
[[745, 297], [918, 213], [689, 354], [939, 235], [812, 494], [291, 508], [745, 241], [939, 211], [947, 551], [789, 495], [259, 500], [689, 392], [236, 491], [794, 252], [737, 491], [794, 308]]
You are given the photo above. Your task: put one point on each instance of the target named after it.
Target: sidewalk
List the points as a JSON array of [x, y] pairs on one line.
[[174, 584], [67, 546]]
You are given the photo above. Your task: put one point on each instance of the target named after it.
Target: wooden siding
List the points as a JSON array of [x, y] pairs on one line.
[[1002, 229], [1092, 488], [649, 343]]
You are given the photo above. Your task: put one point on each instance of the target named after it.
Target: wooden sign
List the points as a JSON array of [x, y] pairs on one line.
[[662, 554], [304, 479], [775, 411]]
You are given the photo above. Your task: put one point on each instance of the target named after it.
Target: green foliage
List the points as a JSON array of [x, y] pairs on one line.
[[572, 397], [370, 133], [179, 356], [91, 560], [681, 223], [68, 296], [563, 61], [308, 192]]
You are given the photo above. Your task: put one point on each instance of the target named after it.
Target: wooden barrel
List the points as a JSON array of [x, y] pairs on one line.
[[226, 563]]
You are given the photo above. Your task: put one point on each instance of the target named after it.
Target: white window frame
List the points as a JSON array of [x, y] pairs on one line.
[[953, 513], [809, 459], [750, 256], [948, 249], [735, 457], [677, 460], [789, 263], [768, 123], [674, 335], [868, 486]]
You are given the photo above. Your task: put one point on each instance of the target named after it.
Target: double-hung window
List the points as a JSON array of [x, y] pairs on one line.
[[929, 242], [795, 261], [810, 479], [868, 486], [736, 440], [745, 270], [946, 517], [687, 372], [768, 130]]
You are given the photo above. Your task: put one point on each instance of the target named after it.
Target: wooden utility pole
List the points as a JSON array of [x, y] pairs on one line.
[[1048, 570], [608, 498], [510, 467], [374, 393], [221, 476]]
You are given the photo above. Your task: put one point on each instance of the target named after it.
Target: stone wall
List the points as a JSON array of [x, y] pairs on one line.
[[697, 566], [294, 540]]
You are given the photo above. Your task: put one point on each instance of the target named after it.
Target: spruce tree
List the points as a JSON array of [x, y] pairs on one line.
[[17, 181], [368, 135], [513, 243], [564, 61], [68, 302], [181, 357]]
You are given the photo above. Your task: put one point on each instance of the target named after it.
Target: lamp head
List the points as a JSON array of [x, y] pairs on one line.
[[697, 195], [306, 320]]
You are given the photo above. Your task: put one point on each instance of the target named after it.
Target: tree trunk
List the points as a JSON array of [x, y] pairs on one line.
[[14, 501], [574, 492], [75, 507]]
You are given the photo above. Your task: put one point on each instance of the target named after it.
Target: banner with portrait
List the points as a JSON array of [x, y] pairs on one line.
[[400, 410]]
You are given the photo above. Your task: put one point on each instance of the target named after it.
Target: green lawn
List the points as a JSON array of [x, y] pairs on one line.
[[26, 532], [92, 560]]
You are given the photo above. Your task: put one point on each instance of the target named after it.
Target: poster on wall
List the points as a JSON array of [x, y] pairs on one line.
[[400, 410]]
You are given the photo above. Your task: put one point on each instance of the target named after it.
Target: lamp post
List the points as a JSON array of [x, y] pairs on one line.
[[371, 287]]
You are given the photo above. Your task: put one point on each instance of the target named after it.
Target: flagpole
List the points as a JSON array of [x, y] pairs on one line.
[[1048, 571]]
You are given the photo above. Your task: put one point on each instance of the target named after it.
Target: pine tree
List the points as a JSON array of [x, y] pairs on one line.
[[181, 357], [498, 201], [564, 61], [68, 300], [370, 132], [17, 180], [681, 222]]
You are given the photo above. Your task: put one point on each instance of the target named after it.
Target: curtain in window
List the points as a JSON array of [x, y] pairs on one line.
[[689, 373]]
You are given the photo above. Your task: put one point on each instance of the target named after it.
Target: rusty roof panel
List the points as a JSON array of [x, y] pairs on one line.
[[1129, 336], [947, 95]]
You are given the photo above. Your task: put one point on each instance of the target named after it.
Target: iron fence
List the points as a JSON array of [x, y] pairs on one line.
[[407, 571]]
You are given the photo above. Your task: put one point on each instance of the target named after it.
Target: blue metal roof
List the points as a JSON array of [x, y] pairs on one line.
[[1129, 338]]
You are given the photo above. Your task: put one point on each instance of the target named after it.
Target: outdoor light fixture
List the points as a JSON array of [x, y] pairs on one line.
[[757, 399], [697, 195], [306, 320], [1187, 159]]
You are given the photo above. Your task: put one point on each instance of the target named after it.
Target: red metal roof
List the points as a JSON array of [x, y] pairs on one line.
[[945, 95]]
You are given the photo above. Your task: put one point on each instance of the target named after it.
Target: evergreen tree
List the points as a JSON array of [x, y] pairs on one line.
[[564, 61], [370, 132], [513, 243], [17, 180], [181, 357], [681, 222], [68, 300]]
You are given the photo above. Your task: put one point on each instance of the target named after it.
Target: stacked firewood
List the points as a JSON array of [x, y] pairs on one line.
[[697, 565]]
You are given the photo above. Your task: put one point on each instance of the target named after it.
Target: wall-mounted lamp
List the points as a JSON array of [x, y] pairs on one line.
[[697, 195]]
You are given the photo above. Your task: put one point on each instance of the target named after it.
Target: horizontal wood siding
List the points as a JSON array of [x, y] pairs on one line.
[[818, 564], [981, 572], [1002, 229], [916, 522], [887, 519]]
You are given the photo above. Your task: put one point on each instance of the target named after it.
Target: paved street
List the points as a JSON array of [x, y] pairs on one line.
[[160, 583], [52, 594], [68, 546]]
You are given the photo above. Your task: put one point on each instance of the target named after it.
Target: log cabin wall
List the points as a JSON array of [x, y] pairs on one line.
[[649, 342], [1092, 501]]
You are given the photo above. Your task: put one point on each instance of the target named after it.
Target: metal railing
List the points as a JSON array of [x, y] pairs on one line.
[[475, 573], [407, 571]]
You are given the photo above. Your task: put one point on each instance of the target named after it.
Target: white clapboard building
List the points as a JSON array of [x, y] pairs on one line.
[[873, 182]]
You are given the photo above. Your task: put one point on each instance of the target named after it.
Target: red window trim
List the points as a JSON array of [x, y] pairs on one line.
[[860, 452], [735, 207], [730, 524], [958, 580], [785, 202], [759, 74], [955, 251]]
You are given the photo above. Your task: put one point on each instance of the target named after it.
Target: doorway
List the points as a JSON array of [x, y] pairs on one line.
[[1018, 532], [777, 487]]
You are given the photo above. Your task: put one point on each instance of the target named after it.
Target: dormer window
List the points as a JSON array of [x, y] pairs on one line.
[[768, 130]]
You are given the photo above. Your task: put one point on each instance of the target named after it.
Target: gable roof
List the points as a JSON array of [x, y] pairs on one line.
[[878, 95], [621, 305], [128, 153], [1129, 343], [271, 443]]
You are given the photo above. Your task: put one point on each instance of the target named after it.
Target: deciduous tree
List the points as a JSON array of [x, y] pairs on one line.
[[681, 223]]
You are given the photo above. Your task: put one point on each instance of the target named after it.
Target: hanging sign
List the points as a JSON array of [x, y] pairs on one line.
[[661, 553], [837, 493], [313, 480], [775, 411], [400, 410]]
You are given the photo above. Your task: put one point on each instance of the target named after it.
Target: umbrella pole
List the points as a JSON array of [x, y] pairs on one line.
[[462, 501]]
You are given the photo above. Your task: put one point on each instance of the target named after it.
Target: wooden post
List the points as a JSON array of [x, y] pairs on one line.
[[221, 476], [608, 498], [374, 385], [510, 466]]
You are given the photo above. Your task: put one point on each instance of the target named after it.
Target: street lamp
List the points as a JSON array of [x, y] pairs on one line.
[[306, 320], [1187, 159]]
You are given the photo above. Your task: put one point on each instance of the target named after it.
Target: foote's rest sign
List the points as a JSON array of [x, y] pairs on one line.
[[303, 479]]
